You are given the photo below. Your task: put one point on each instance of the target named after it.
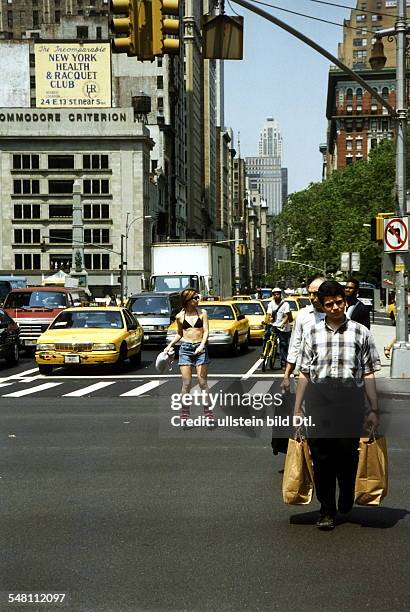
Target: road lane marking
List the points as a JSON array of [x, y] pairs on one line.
[[89, 389], [143, 388], [6, 384], [32, 390], [252, 369]]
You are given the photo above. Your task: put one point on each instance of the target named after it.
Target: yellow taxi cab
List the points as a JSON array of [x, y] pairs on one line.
[[255, 312], [228, 327], [240, 298], [295, 304], [90, 336]]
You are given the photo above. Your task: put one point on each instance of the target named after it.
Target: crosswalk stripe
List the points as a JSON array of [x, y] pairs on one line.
[[32, 390], [261, 387], [197, 388], [6, 384], [143, 388], [89, 389]]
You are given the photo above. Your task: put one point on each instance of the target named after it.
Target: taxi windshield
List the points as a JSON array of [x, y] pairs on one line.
[[36, 299], [250, 309], [292, 304], [219, 312], [304, 301], [88, 318]]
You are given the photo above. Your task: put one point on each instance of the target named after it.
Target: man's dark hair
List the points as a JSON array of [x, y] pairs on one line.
[[354, 282], [330, 289]]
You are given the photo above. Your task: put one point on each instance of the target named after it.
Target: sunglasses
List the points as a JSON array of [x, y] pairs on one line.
[[196, 297]]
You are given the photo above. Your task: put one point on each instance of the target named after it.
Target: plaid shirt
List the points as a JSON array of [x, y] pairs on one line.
[[347, 353]]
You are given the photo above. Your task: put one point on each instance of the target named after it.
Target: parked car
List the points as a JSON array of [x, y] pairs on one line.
[[9, 339], [90, 336], [255, 312], [228, 327], [155, 312]]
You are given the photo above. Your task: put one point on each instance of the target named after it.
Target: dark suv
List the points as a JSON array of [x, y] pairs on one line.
[[155, 312]]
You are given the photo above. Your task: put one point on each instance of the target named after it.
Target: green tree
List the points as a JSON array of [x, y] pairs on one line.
[[326, 219]]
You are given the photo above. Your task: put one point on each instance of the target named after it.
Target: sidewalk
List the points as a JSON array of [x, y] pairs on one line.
[[383, 334]]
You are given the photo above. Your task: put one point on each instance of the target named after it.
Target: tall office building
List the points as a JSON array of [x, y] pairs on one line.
[[264, 171], [270, 139]]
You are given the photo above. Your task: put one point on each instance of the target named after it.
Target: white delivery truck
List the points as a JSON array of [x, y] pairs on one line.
[[205, 266]]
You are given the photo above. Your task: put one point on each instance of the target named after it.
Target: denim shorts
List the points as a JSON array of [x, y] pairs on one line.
[[187, 357]]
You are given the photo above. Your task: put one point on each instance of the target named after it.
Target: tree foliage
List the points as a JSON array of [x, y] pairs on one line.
[[327, 218]]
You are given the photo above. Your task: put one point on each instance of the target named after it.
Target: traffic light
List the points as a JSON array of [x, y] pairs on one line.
[[241, 249], [377, 226], [163, 27], [128, 24]]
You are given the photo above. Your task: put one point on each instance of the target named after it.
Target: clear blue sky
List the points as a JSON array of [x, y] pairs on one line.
[[282, 77]]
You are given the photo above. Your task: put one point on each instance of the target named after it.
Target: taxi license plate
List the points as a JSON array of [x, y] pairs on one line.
[[146, 337], [72, 359]]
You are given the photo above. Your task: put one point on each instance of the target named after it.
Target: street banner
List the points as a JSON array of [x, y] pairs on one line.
[[73, 75], [396, 234], [355, 257]]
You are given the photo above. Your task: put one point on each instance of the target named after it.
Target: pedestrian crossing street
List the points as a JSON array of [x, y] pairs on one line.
[[76, 387]]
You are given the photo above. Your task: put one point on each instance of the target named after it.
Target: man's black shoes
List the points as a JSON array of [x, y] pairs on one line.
[[326, 522]]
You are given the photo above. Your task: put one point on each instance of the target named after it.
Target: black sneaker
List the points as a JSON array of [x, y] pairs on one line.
[[326, 522]]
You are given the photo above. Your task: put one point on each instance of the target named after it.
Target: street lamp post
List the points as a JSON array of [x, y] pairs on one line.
[[125, 263]]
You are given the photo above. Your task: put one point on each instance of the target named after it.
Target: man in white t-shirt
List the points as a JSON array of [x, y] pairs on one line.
[[308, 316], [278, 317]]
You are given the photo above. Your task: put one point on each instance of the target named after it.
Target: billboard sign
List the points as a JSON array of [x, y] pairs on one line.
[[73, 75]]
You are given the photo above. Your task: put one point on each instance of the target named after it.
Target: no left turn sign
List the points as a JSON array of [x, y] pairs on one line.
[[396, 234]]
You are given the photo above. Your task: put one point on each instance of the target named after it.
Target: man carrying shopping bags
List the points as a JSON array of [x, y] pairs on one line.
[[337, 364]]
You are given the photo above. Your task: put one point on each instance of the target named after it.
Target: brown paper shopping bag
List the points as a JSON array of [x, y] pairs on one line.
[[297, 485], [372, 472]]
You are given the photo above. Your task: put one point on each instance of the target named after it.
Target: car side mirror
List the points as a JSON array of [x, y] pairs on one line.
[[132, 326], [240, 317], [3, 324]]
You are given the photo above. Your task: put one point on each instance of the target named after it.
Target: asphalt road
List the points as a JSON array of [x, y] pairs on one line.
[[104, 501]]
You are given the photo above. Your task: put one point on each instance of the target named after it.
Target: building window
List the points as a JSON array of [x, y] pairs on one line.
[[61, 235], [97, 261], [26, 162], [159, 62], [160, 103], [57, 16], [360, 18], [95, 162], [377, 18], [61, 162], [27, 261], [359, 144], [60, 187], [82, 32], [360, 42], [96, 186], [160, 82], [27, 211], [97, 236], [359, 125], [60, 211], [359, 95], [349, 95], [98, 33], [385, 93], [96, 211], [349, 160], [60, 261], [26, 186], [27, 236], [35, 19]]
